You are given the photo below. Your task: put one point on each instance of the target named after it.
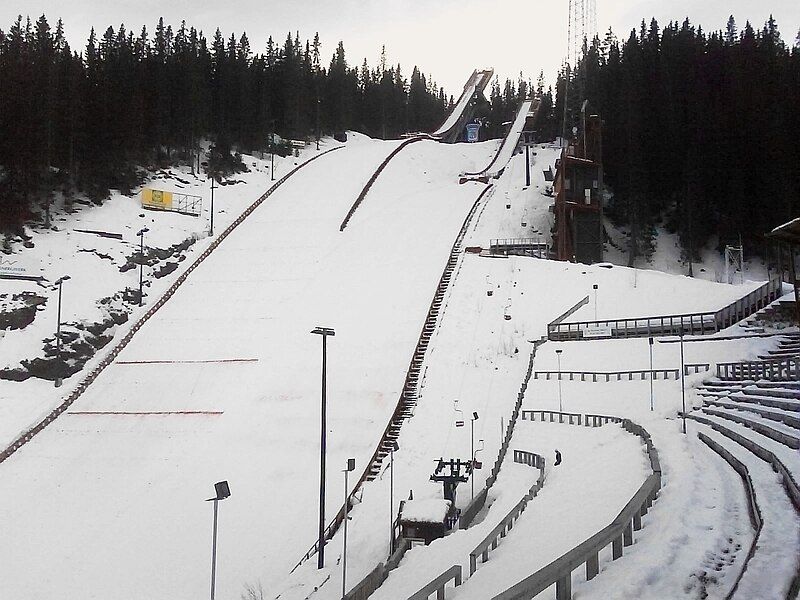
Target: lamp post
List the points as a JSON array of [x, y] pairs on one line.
[[318, 130], [651, 373], [527, 160], [211, 229], [683, 387], [272, 150], [558, 357], [392, 449], [141, 233], [472, 451], [58, 325], [222, 491], [594, 287], [351, 465], [324, 332]]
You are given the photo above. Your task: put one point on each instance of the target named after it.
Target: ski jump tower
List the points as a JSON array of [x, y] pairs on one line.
[[578, 233]]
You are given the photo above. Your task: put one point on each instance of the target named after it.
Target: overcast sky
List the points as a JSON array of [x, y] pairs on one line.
[[445, 38]]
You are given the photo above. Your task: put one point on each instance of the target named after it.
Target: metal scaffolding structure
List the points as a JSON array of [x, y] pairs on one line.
[[582, 25]]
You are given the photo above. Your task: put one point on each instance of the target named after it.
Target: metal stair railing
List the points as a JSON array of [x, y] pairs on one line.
[[701, 323]]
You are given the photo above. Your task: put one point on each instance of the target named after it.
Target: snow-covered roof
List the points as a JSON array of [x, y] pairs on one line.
[[427, 510], [788, 232]]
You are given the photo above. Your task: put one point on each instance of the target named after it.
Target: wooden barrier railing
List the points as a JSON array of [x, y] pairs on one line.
[[438, 585], [375, 578], [477, 503], [25, 437], [605, 376], [779, 369], [701, 323], [619, 533], [491, 541], [553, 416]]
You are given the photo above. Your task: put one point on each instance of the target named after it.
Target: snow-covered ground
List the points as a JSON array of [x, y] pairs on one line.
[[107, 505], [93, 262]]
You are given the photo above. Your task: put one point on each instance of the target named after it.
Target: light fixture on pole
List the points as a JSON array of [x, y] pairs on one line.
[[594, 287], [222, 491], [683, 386], [318, 130], [351, 465], [472, 451], [651, 373], [272, 150], [558, 357], [58, 327], [211, 228], [141, 233], [392, 449], [324, 332]]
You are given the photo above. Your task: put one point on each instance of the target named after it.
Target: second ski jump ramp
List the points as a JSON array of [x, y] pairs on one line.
[[528, 108], [461, 114]]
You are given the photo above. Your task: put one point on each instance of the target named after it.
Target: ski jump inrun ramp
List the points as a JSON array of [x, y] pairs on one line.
[[462, 112], [528, 108]]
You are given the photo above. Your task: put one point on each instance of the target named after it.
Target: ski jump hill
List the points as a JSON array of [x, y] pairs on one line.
[[528, 108], [216, 377], [463, 111]]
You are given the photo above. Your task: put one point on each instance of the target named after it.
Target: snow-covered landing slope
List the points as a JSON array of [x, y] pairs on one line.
[[112, 505]]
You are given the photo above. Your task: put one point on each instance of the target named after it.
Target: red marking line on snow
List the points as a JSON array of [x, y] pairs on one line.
[[175, 362], [145, 413]]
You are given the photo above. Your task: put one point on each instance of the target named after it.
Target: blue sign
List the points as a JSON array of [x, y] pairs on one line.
[[472, 131]]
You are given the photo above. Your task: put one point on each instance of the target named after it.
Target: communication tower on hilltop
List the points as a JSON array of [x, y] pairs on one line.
[[582, 25]]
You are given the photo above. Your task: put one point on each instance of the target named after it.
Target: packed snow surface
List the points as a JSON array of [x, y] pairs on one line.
[[109, 501]]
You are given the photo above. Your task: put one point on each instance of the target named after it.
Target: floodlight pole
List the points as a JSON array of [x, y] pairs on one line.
[[211, 231], [58, 325], [318, 130], [594, 287], [351, 464], [651, 373], [392, 449], [141, 262], [222, 491], [558, 357], [272, 150], [683, 386], [324, 332], [527, 161], [214, 550], [472, 452]]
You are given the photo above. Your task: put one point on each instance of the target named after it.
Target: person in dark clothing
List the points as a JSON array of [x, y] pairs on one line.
[[558, 458]]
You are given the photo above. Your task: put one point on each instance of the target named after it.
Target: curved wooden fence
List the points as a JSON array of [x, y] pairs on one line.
[[109, 358], [619, 533], [492, 539]]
